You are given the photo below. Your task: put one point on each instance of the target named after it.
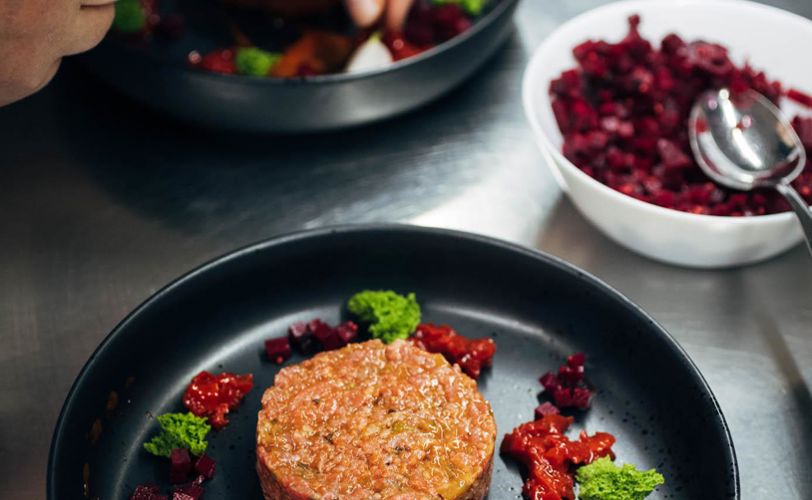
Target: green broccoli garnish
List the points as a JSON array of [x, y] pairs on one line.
[[254, 61], [472, 7], [130, 16], [179, 430], [391, 316], [603, 480]]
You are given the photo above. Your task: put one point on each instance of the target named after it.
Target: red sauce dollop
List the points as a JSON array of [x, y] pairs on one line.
[[214, 396], [550, 457], [472, 355]]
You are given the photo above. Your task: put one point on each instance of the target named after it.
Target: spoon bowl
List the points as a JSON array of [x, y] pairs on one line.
[[743, 141]]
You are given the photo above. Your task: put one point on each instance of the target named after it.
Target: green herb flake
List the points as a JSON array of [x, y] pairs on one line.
[[603, 480], [472, 7], [254, 61], [130, 16], [179, 430], [391, 316]]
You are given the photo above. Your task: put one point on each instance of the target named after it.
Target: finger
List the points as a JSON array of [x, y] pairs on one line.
[[396, 13], [365, 13]]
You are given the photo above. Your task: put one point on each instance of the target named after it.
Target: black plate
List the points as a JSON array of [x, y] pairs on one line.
[[158, 77], [536, 307]]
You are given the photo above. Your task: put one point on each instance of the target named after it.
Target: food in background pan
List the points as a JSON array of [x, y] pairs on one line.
[[307, 37]]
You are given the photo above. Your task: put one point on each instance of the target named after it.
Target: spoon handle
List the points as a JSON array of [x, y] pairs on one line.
[[801, 210]]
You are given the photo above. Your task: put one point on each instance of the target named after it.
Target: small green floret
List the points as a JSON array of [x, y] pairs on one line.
[[130, 16], [254, 61], [391, 316], [603, 480], [179, 430], [473, 7]]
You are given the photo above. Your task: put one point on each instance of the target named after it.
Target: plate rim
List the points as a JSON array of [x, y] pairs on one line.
[[345, 229]]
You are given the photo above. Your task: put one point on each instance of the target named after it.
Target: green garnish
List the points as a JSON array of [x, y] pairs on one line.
[[254, 61], [603, 480], [179, 430], [473, 7], [391, 316], [130, 16]]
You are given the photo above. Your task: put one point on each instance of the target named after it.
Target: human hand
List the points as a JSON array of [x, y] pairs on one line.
[[366, 13], [36, 34]]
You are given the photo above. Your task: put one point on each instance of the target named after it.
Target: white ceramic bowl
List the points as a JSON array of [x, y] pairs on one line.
[[771, 39]]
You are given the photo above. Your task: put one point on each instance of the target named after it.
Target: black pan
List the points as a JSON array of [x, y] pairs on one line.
[[536, 307], [157, 76]]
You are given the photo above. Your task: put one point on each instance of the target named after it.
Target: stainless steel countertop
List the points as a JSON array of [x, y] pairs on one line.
[[103, 202]]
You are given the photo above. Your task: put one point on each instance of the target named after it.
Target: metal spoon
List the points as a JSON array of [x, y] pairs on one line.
[[743, 141]]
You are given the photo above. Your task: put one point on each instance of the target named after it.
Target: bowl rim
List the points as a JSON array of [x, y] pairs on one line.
[[501, 8], [535, 65]]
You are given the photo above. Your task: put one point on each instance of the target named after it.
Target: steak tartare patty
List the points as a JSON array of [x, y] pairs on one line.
[[375, 421]]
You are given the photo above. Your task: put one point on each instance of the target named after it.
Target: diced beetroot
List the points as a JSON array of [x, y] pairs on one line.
[[577, 359], [180, 465], [449, 20], [188, 492], [419, 28], [347, 332], [567, 388], [325, 335], [318, 335], [544, 409], [278, 350], [803, 126], [147, 492], [623, 113], [205, 466], [549, 381], [300, 337], [801, 98]]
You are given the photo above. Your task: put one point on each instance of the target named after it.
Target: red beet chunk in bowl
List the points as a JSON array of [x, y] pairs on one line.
[[623, 112]]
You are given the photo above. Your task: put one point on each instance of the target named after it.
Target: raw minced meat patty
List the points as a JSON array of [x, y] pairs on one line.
[[375, 421]]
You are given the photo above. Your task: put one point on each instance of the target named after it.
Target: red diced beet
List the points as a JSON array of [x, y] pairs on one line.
[[147, 492], [318, 335], [180, 465], [347, 332], [567, 388], [801, 98], [549, 381], [449, 20], [581, 397], [544, 409], [623, 113], [803, 127], [278, 350], [205, 466], [301, 337], [188, 492], [577, 359]]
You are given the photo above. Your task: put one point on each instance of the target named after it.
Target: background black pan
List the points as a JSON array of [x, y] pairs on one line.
[[159, 78], [538, 309]]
